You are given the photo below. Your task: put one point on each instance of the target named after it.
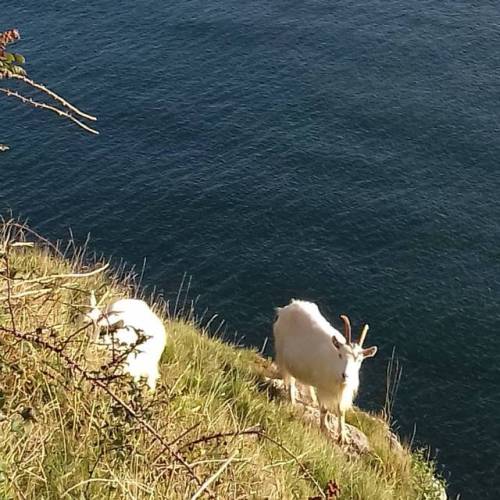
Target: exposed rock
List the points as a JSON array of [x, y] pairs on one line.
[[309, 412], [393, 438]]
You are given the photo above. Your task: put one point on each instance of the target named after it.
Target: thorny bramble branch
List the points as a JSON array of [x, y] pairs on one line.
[[11, 68]]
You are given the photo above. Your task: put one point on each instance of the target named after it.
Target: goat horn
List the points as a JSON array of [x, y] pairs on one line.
[[363, 335], [347, 327]]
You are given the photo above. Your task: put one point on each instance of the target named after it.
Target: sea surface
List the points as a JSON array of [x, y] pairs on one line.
[[343, 152]]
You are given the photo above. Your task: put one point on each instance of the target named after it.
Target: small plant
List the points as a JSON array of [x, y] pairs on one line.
[[12, 68], [10, 62]]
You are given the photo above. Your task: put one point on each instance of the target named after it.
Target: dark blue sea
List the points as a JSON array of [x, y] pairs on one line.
[[343, 152]]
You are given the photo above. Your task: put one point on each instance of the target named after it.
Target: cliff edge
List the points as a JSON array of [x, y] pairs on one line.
[[219, 424]]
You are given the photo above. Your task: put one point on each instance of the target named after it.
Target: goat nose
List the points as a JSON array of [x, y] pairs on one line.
[[344, 376]]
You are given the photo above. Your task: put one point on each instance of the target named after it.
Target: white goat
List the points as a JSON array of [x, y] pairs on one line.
[[310, 350], [131, 324]]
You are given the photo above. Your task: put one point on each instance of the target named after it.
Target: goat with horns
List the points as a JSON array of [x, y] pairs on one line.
[[312, 351]]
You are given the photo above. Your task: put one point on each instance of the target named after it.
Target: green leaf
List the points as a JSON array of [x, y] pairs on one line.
[[19, 58], [17, 426], [18, 70], [9, 58]]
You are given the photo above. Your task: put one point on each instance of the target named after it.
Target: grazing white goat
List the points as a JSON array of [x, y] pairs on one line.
[[131, 324], [312, 351]]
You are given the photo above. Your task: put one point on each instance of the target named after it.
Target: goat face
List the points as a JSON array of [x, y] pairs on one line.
[[350, 357]]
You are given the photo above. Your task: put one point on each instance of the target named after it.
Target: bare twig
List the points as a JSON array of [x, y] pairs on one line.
[[29, 337], [41, 105], [23, 228], [185, 433], [148, 427], [256, 430], [214, 476], [297, 461], [54, 96], [52, 277], [9, 298], [22, 244]]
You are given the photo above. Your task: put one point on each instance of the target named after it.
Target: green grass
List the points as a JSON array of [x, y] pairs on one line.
[[82, 443]]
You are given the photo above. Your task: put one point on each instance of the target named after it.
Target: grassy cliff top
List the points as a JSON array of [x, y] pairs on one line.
[[71, 428]]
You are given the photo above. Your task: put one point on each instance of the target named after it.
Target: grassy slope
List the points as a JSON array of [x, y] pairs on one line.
[[82, 444]]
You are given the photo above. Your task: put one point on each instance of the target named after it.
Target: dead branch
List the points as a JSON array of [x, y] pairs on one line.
[[54, 96], [41, 105], [99, 382], [10, 296], [214, 476], [256, 429], [297, 461], [53, 277], [177, 439], [185, 433], [22, 244], [23, 228]]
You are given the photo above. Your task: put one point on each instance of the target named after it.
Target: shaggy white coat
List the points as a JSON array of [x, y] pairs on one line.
[[136, 320], [312, 351]]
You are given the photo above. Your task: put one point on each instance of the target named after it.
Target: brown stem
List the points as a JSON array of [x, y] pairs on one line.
[[101, 384], [255, 430], [51, 277], [297, 461], [54, 96], [41, 105], [9, 301], [23, 228], [214, 476], [219, 435]]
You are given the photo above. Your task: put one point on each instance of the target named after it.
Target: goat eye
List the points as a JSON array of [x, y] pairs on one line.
[[340, 355]]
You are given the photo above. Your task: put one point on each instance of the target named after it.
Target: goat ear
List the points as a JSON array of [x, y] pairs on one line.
[[335, 342], [370, 352]]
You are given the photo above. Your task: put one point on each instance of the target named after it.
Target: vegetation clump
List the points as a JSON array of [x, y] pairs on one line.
[[12, 68], [72, 426]]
